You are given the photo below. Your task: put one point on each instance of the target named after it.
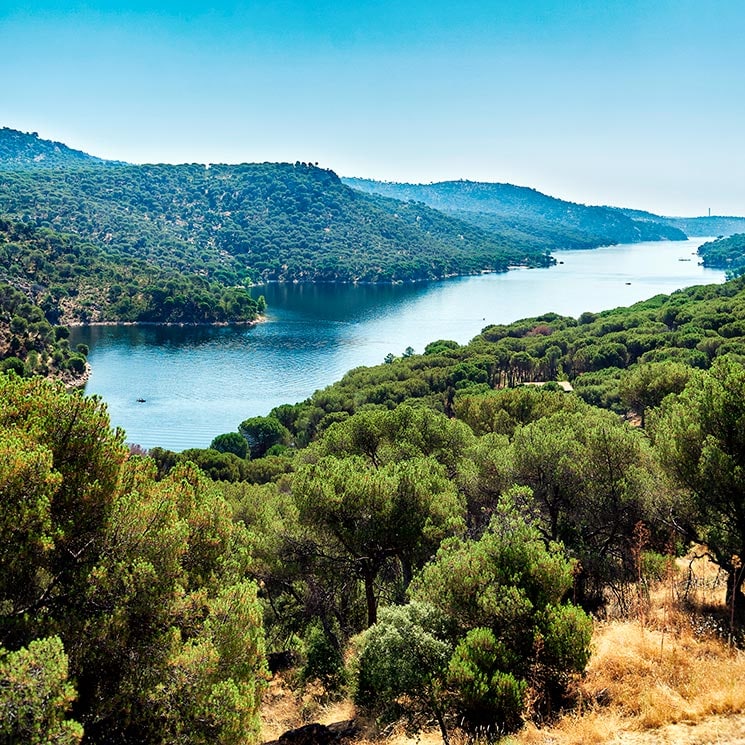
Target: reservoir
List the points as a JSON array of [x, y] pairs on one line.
[[179, 387]]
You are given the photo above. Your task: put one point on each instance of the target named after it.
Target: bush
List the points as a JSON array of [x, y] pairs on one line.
[[323, 660], [404, 657], [489, 698]]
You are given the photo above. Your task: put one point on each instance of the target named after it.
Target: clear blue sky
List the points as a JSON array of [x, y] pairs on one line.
[[638, 103]]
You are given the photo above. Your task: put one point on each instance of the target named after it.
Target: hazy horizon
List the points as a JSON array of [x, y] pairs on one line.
[[630, 104]]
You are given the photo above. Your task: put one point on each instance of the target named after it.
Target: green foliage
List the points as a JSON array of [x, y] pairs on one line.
[[35, 695], [565, 632], [28, 342], [646, 384], [262, 432], [323, 659], [404, 655], [231, 442], [700, 437], [484, 693], [591, 476], [725, 253], [503, 597], [525, 216], [143, 581], [487, 620], [251, 222], [77, 281], [691, 328], [371, 515], [503, 410]]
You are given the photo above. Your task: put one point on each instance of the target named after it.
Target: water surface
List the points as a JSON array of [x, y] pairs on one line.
[[200, 382]]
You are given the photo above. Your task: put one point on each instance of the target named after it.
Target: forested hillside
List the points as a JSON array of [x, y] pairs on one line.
[[725, 253], [525, 214], [595, 352], [251, 222], [75, 281], [27, 151], [422, 536], [31, 345]]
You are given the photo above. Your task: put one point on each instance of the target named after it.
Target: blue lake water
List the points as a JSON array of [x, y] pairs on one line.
[[200, 382]]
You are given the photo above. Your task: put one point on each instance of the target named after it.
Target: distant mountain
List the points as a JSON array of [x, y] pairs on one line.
[[520, 213], [25, 151], [702, 227]]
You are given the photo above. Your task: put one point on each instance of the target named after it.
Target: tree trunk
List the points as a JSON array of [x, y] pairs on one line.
[[736, 605], [441, 723], [407, 572], [372, 606]]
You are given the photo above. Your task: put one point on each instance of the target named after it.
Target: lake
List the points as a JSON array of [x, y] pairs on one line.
[[200, 382]]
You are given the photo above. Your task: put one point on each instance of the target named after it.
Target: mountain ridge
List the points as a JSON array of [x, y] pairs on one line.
[[519, 210]]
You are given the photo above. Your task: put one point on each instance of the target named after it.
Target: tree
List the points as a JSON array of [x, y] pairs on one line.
[[405, 654], [700, 436], [230, 442], [35, 695], [645, 385], [499, 581], [374, 514], [261, 432], [591, 476], [143, 581], [502, 597]]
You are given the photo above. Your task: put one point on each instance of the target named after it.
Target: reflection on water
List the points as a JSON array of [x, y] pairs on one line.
[[199, 382]]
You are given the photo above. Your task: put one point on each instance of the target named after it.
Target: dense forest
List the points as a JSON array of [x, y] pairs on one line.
[[725, 253], [429, 534], [74, 281], [251, 222], [526, 214], [30, 344]]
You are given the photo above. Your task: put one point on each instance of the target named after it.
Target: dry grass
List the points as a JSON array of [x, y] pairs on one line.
[[664, 676], [661, 677]]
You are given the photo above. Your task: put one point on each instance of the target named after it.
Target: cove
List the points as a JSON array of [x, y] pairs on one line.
[[200, 382]]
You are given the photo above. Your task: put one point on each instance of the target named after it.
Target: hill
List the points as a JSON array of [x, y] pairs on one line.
[[692, 327], [725, 253], [73, 281], [31, 345], [526, 214], [703, 227], [25, 151], [250, 222]]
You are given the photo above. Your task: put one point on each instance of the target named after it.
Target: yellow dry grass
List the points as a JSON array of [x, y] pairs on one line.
[[657, 678], [660, 677]]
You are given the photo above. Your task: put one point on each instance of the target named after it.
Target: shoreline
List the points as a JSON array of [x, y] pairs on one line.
[[77, 382], [181, 324]]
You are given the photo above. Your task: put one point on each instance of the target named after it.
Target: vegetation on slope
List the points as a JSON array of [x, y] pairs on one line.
[[525, 214], [27, 151], [74, 281], [125, 611], [251, 222], [30, 345], [596, 352], [451, 560], [725, 253]]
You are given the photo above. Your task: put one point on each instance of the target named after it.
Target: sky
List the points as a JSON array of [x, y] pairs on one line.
[[634, 103]]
